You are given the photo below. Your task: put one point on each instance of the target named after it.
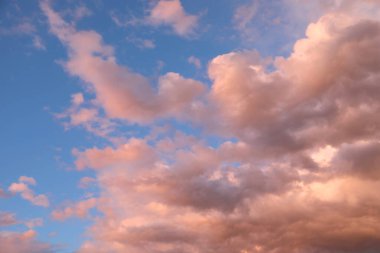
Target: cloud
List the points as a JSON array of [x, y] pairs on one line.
[[81, 12], [86, 182], [302, 103], [23, 243], [244, 14], [296, 162], [37, 222], [120, 92], [22, 187], [141, 43], [172, 13], [38, 43], [79, 209], [25, 28], [7, 219], [3, 194], [195, 61], [134, 153]]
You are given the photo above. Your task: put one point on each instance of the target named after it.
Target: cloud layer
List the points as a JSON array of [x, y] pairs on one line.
[[297, 166]]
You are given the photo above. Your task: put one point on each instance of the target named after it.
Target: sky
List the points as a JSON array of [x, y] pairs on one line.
[[179, 126]]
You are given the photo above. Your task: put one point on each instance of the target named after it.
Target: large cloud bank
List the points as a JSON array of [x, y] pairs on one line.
[[300, 173]]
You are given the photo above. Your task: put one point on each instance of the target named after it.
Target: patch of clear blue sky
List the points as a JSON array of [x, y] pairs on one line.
[[34, 87]]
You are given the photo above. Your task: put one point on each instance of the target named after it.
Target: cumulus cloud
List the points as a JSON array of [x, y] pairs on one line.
[[296, 169], [22, 187], [172, 13]]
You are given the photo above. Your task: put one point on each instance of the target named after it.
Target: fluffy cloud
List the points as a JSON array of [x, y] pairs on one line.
[[317, 96], [22, 187], [172, 13]]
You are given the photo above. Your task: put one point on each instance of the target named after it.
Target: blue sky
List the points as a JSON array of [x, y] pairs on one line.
[[181, 114]]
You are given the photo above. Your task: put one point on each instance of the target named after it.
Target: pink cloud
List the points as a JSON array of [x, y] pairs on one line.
[[85, 182], [121, 92], [195, 61], [7, 219], [135, 153], [172, 13], [3, 194], [22, 187], [299, 175], [23, 243], [37, 222], [79, 209]]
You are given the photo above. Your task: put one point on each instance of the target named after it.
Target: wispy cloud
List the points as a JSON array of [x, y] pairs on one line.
[[7, 219], [195, 61]]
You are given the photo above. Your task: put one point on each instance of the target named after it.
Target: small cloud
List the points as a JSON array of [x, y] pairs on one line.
[[86, 182], [3, 194], [243, 20], [81, 12], [27, 180], [142, 43], [195, 61], [24, 28], [38, 43], [79, 210], [22, 187], [148, 44], [172, 13], [125, 22], [7, 219], [37, 222], [245, 13], [85, 114]]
